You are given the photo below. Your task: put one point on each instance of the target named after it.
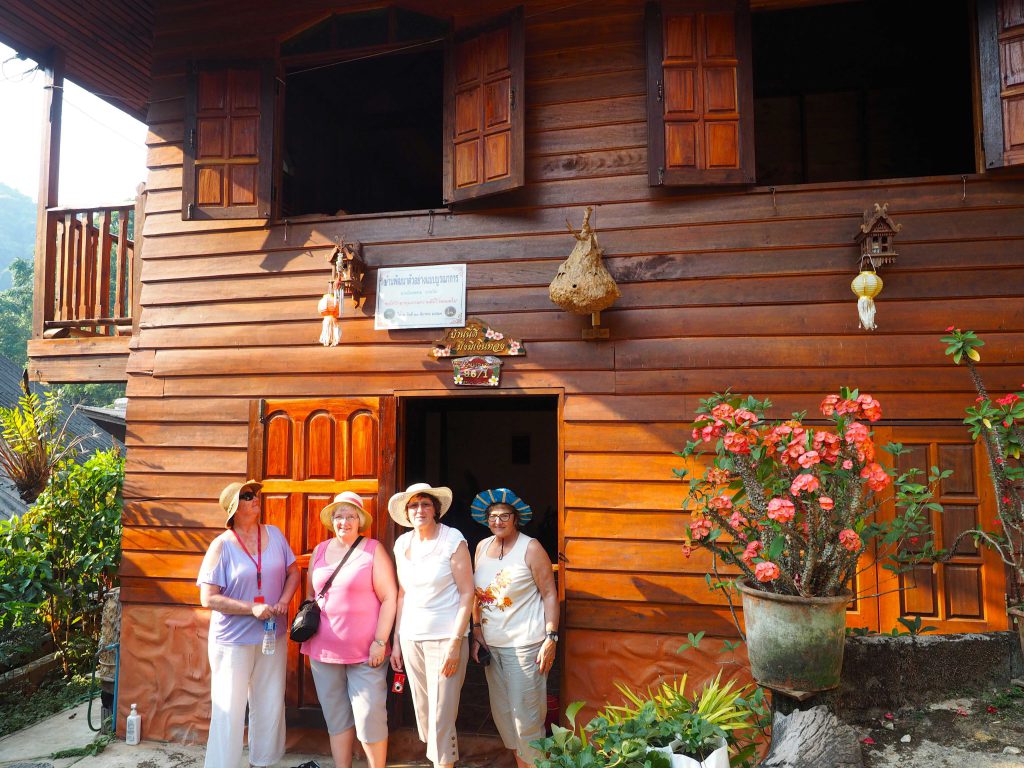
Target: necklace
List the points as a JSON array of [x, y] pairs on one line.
[[501, 554]]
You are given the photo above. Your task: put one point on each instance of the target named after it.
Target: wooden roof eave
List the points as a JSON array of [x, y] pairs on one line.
[[107, 51]]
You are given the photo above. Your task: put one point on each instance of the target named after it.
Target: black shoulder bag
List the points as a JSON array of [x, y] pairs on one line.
[[307, 619]]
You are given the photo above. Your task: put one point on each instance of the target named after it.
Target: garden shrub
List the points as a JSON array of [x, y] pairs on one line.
[[61, 557]]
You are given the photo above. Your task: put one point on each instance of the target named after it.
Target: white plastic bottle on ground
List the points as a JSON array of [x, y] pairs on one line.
[[133, 727], [269, 637]]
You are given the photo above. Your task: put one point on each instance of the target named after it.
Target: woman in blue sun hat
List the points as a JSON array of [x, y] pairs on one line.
[[515, 620]]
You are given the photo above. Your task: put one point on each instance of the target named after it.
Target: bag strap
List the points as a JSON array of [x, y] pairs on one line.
[[327, 584]]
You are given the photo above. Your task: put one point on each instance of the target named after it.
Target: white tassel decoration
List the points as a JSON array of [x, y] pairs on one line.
[[866, 310], [329, 307]]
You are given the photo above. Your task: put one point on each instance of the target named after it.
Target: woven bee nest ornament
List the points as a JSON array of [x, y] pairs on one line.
[[582, 284]]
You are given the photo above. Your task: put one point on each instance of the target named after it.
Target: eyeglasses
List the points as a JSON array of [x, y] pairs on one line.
[[346, 518], [502, 517], [420, 504], [247, 496]]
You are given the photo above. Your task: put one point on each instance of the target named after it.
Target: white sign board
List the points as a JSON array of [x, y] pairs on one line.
[[421, 297]]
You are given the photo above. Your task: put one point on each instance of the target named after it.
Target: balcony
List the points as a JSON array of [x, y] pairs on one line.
[[86, 291]]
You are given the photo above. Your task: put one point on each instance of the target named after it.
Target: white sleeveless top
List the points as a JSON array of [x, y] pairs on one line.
[[511, 609], [431, 597]]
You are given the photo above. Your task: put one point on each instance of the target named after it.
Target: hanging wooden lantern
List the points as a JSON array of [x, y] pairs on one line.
[[330, 311], [351, 269], [877, 237], [866, 286]]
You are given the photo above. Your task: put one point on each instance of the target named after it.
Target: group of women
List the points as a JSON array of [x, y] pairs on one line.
[[429, 620]]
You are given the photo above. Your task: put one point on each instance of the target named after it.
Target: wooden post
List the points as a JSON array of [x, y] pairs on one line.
[[49, 177], [135, 274]]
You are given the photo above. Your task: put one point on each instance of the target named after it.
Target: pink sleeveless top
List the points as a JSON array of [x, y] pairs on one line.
[[349, 610]]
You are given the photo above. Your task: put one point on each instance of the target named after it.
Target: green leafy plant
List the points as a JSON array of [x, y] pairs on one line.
[[58, 560], [998, 424], [34, 440]]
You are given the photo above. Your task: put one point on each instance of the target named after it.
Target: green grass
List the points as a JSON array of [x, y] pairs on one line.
[[18, 710]]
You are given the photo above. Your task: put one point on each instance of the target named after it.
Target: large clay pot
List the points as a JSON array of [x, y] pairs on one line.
[[795, 644]]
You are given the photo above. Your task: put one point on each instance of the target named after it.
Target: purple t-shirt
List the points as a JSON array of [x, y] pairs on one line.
[[235, 574]]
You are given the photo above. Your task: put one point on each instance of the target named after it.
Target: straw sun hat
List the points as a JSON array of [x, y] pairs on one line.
[[229, 497], [346, 498], [398, 502]]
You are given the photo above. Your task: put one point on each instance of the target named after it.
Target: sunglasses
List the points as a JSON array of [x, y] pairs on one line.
[[247, 496]]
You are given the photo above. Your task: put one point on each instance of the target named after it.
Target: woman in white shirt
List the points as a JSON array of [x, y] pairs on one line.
[[435, 600], [515, 620]]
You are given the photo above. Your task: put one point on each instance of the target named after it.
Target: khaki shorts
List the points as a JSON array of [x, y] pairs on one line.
[[353, 695]]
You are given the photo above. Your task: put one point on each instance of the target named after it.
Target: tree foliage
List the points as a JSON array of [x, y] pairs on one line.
[[59, 559], [34, 441]]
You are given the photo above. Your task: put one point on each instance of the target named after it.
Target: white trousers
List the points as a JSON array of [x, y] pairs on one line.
[[241, 673]]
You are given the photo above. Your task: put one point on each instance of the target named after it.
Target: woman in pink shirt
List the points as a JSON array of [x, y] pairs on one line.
[[348, 650]]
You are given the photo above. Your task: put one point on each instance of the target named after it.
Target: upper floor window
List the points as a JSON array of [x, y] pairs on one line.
[[381, 111]]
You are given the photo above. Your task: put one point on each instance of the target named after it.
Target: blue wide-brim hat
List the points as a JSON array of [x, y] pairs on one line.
[[486, 499]]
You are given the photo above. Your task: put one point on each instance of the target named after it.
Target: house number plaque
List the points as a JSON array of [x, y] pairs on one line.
[[477, 371], [476, 338]]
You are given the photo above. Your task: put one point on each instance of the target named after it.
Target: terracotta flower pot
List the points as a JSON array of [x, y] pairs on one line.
[[795, 644]]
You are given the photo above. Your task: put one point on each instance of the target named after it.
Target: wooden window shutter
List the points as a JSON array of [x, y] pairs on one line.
[[1001, 53], [700, 94], [229, 127], [483, 115]]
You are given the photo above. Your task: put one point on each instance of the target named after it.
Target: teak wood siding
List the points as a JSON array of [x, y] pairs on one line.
[[744, 289]]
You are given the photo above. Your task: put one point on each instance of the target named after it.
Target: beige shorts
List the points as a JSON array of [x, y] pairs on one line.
[[518, 693], [353, 694]]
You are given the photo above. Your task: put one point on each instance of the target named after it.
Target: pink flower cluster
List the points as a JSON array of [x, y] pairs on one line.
[[864, 407]]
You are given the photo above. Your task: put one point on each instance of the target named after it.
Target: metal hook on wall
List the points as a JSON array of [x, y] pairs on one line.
[[430, 222], [963, 196], [775, 206]]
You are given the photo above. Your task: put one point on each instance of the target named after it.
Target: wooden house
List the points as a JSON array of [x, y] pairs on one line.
[[729, 149]]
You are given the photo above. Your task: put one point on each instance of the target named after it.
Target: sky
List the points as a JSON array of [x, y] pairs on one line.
[[103, 151]]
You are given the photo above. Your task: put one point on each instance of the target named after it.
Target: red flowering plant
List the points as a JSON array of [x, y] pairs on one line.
[[998, 423], [792, 505]]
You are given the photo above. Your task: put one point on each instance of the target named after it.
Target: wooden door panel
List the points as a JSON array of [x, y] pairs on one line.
[[965, 593], [305, 452]]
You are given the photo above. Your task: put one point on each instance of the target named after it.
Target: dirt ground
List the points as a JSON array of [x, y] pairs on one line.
[[982, 732]]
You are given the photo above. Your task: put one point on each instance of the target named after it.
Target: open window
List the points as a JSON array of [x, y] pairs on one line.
[[1001, 52], [228, 147], [384, 110], [874, 89]]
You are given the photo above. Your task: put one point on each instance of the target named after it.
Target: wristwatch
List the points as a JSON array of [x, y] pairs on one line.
[[553, 637], [381, 643]]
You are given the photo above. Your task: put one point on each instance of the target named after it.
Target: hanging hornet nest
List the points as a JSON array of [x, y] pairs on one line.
[[583, 285]]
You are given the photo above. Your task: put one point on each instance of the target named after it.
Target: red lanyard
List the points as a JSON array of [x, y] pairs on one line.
[[258, 560]]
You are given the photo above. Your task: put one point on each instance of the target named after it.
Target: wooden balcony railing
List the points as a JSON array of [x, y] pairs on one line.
[[88, 277]]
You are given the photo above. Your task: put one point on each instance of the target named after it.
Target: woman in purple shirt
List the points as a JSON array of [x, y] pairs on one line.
[[247, 579]]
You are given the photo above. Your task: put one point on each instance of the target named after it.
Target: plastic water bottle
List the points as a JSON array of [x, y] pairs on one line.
[[269, 637], [133, 727]]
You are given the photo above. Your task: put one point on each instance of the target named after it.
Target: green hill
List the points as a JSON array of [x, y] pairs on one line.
[[17, 230]]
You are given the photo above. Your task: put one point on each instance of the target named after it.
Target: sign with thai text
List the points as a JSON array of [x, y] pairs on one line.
[[476, 339], [421, 297]]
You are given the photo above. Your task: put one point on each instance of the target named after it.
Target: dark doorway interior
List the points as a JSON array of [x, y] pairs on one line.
[[473, 443], [862, 90]]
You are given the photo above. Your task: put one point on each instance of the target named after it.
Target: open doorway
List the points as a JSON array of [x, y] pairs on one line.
[[471, 444]]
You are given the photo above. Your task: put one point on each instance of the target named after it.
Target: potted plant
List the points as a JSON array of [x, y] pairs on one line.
[[692, 734], [998, 424], [792, 507]]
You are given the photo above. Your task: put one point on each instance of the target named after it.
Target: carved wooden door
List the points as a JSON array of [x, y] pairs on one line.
[[967, 592], [305, 452]]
